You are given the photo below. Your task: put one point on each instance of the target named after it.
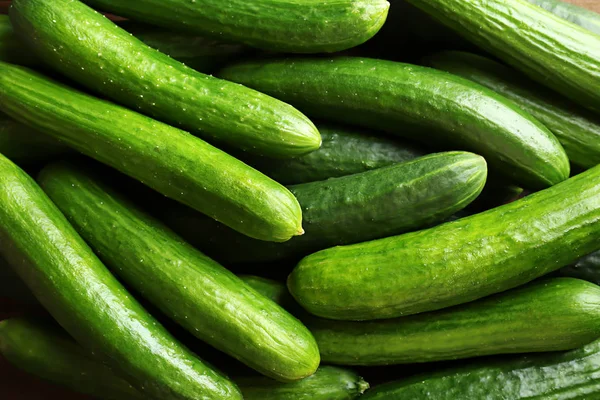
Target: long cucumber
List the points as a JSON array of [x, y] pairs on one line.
[[578, 15]]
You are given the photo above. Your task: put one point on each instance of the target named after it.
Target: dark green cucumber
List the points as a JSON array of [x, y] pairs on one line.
[[290, 26], [456, 262], [11, 49], [586, 268], [549, 49], [351, 209], [345, 151], [92, 50], [577, 129], [269, 288], [13, 287], [578, 15], [196, 292], [82, 295], [167, 159], [397, 98]]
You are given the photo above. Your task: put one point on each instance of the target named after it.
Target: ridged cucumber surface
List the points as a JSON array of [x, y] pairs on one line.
[[581, 16], [456, 262], [90, 49], [397, 98], [89, 302], [167, 159]]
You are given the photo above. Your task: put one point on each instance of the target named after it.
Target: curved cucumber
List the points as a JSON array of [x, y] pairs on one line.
[[290, 26], [11, 49], [183, 283], [92, 50], [82, 295], [167, 159], [352, 208], [577, 129], [549, 49], [396, 98], [578, 15], [456, 262]]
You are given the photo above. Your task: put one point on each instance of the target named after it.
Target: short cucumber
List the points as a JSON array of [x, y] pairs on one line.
[[290, 26], [167, 159], [11, 49], [577, 129], [196, 292], [578, 15], [90, 49], [351, 209], [547, 48], [82, 295], [456, 262], [397, 98]]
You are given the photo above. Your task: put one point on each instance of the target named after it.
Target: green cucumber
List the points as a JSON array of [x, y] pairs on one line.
[[82, 295], [456, 262], [577, 129], [547, 48], [167, 159], [183, 283], [13, 287], [345, 151], [578, 15], [11, 49], [290, 26], [586, 268], [92, 50], [397, 98], [351, 209]]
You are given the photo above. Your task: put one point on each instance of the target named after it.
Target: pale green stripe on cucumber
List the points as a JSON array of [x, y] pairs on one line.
[[581, 16]]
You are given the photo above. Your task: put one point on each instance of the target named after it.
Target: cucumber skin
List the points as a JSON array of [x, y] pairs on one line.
[[351, 209], [586, 268], [394, 95], [196, 292], [576, 128], [82, 295], [456, 262], [90, 49], [578, 15], [167, 159], [547, 48], [288, 26]]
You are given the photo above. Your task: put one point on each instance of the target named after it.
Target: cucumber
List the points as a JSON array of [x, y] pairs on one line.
[[12, 287], [547, 48], [290, 26], [586, 268], [11, 49], [82, 295], [351, 209], [396, 98], [456, 262], [183, 283], [72, 38], [578, 15], [167, 159], [577, 129], [345, 151]]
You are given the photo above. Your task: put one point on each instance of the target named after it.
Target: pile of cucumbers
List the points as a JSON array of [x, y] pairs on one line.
[[302, 199]]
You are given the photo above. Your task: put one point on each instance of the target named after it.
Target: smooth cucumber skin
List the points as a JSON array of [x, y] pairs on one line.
[[397, 98], [290, 26], [456, 262], [547, 48], [195, 291], [351, 209], [92, 50], [11, 49], [578, 15], [164, 158], [577, 129], [82, 295]]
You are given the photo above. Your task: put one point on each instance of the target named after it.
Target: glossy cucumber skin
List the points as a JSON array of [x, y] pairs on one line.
[[351, 209], [396, 98], [90, 49], [81, 294], [578, 15], [290, 26], [547, 48], [456, 262], [167, 159], [195, 291], [11, 48], [576, 128]]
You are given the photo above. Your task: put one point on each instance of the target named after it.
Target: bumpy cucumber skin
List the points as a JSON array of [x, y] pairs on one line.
[[397, 98], [577, 129], [11, 49], [167, 159], [47, 353], [456, 262], [578, 15], [83, 296], [92, 50], [195, 291], [290, 26], [351, 209], [549, 49]]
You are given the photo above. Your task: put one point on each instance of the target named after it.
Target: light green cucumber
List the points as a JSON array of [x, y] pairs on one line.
[[581, 16]]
